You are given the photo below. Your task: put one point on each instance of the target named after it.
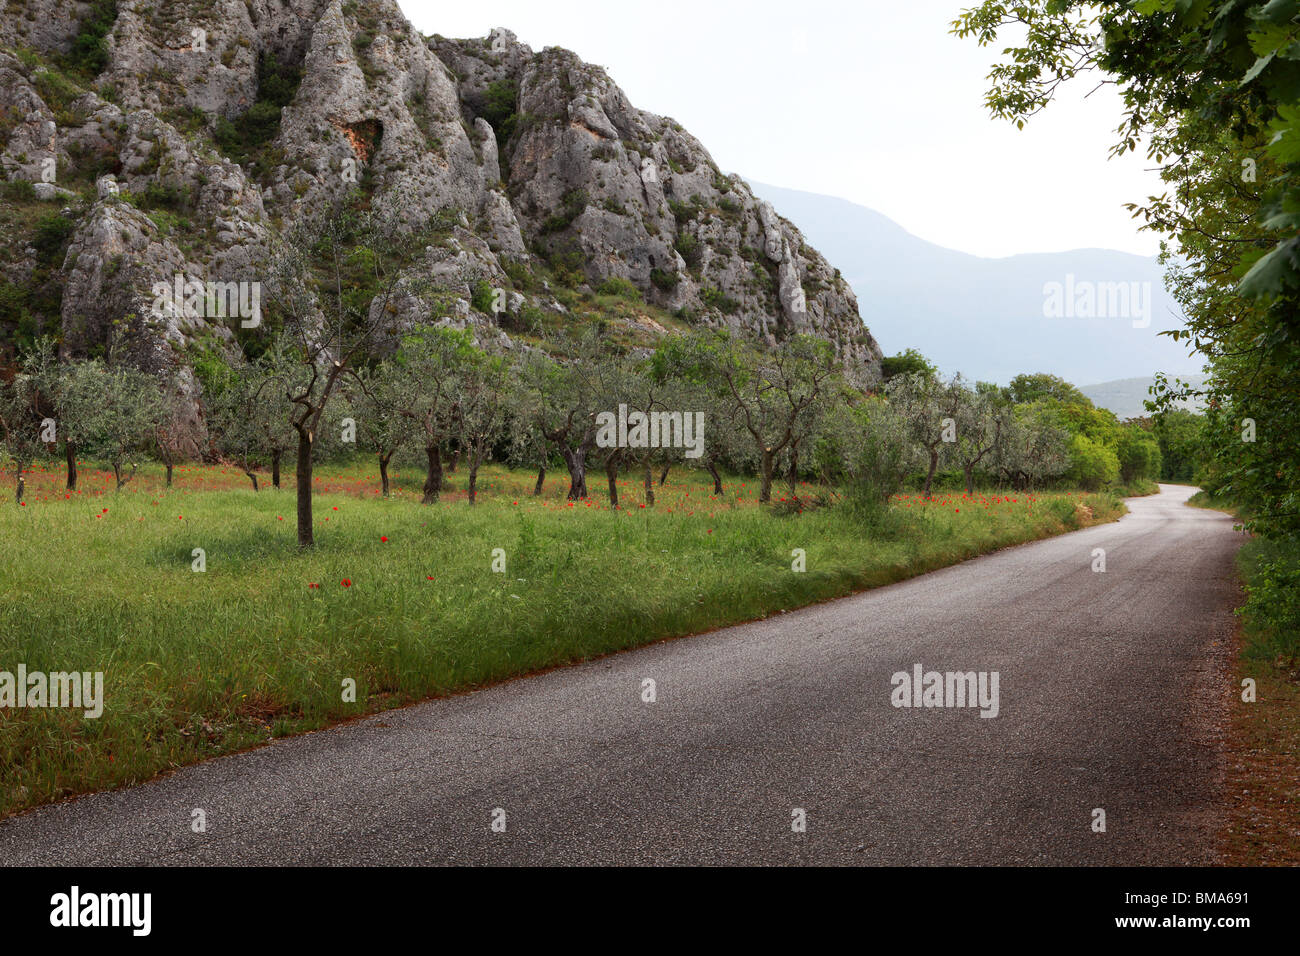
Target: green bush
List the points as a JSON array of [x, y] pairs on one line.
[[1271, 568], [1138, 452], [664, 281], [690, 249], [620, 287], [568, 264], [277, 84], [1092, 464], [907, 363], [89, 53], [500, 108], [481, 295], [158, 196], [19, 190], [52, 232], [717, 299]]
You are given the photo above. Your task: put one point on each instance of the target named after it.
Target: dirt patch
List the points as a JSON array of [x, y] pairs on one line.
[[1261, 825]]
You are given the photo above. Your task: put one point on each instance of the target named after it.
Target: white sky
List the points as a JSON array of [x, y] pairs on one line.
[[872, 101]]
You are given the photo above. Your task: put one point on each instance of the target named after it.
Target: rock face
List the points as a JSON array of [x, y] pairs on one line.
[[524, 159]]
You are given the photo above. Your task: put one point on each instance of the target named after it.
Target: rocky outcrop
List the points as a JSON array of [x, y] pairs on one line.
[[226, 121]]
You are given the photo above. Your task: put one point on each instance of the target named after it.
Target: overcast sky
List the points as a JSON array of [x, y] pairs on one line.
[[871, 100]]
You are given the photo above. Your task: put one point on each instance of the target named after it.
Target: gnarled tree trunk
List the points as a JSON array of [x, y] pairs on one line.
[[929, 477], [611, 475], [306, 536], [765, 476], [717, 478], [576, 461], [432, 474]]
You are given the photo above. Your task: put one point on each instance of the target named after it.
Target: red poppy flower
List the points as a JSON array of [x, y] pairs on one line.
[[346, 582], [382, 538]]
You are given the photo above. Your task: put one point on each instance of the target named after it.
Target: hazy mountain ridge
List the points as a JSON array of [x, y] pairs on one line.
[[1125, 397], [985, 317]]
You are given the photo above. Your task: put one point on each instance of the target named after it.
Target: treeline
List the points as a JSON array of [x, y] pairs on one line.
[[784, 414]]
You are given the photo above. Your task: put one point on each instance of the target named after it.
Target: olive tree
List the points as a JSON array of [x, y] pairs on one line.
[[25, 426], [927, 407], [130, 410], [982, 419], [772, 393], [481, 410], [334, 279], [425, 377]]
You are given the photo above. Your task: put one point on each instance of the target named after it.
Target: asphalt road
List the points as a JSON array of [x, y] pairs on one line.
[[1112, 692]]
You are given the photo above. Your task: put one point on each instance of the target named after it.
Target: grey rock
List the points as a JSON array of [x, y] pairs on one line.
[[583, 176]]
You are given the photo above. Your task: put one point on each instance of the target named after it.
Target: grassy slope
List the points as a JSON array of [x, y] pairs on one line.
[[199, 664], [1261, 826]]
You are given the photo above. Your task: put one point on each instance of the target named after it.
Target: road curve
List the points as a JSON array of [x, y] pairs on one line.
[[1113, 687]]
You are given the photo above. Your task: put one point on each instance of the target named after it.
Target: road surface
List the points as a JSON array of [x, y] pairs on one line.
[[1112, 693]]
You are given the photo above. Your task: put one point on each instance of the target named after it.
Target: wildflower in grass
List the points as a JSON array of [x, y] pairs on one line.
[[346, 582], [383, 538]]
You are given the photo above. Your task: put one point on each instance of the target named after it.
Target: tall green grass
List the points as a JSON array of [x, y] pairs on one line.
[[199, 664]]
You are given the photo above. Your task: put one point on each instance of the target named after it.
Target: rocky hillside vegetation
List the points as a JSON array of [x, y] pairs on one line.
[[146, 142]]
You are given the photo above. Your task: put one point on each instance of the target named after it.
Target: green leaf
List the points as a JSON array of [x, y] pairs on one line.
[[1273, 273], [1260, 65], [1277, 11]]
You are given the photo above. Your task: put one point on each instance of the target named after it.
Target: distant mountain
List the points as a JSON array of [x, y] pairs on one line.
[[1125, 396], [985, 317]]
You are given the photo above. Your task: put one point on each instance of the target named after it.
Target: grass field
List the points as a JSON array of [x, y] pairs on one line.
[[399, 597]]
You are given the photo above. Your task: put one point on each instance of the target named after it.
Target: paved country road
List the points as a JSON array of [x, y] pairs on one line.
[[1113, 689]]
